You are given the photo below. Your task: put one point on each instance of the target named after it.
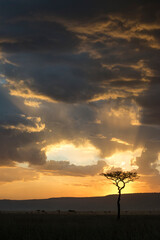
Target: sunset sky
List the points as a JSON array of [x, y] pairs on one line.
[[79, 95]]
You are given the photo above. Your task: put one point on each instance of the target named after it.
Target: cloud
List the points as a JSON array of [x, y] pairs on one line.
[[23, 128], [65, 168], [11, 174], [148, 162], [79, 71], [120, 141], [150, 102], [31, 103], [19, 134], [69, 53]]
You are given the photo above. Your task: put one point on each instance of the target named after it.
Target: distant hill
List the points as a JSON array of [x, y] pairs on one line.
[[129, 202]]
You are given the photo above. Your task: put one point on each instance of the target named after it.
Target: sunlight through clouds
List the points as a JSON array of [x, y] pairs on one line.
[[124, 160], [82, 155]]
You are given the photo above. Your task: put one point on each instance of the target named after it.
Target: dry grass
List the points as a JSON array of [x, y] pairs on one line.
[[78, 227]]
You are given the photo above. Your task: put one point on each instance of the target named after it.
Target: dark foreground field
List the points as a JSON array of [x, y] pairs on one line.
[[78, 227]]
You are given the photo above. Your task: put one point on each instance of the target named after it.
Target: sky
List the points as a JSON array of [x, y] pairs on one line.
[[79, 95]]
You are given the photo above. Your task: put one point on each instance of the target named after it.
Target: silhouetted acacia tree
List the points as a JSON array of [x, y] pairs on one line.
[[120, 179]]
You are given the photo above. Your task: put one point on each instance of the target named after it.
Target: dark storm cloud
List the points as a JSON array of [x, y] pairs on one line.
[[7, 108], [150, 103], [18, 134], [19, 147], [66, 80], [148, 162], [41, 31], [67, 8], [34, 36], [76, 52], [65, 168], [72, 9]]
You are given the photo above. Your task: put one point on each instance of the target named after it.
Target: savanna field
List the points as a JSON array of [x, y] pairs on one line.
[[18, 226]]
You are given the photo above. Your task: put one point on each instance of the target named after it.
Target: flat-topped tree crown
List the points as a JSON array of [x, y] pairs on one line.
[[120, 178]]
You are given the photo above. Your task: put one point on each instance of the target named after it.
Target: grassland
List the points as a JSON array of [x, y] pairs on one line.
[[78, 227]]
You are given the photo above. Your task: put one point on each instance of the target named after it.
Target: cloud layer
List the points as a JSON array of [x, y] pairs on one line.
[[75, 72]]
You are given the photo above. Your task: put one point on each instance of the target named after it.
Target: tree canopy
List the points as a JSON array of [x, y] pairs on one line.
[[121, 177]]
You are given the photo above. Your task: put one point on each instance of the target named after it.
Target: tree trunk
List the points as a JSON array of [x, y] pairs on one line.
[[118, 205]]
